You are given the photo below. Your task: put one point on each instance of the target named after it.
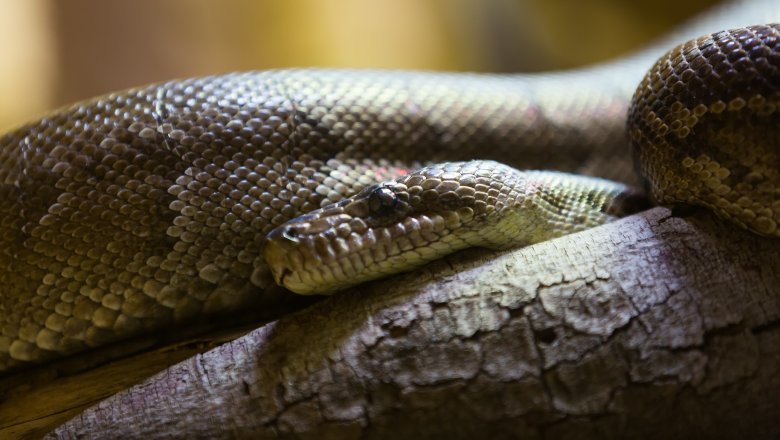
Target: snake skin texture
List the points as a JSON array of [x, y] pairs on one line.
[[700, 123], [693, 122], [149, 208], [402, 224]]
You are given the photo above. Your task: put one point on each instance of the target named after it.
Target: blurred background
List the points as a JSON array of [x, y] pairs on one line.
[[55, 52]]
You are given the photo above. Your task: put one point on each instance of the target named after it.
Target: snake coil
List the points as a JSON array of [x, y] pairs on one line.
[[151, 207]]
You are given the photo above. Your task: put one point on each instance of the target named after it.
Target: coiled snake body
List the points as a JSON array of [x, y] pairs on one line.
[[153, 205]]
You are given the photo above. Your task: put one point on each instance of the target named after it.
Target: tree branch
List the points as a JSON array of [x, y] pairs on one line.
[[652, 326]]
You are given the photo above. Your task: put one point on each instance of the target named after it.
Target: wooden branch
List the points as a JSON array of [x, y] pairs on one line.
[[36, 400], [653, 326]]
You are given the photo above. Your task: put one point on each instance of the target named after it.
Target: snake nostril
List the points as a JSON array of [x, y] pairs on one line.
[[290, 234]]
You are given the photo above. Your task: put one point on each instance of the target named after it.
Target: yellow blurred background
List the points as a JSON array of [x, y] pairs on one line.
[[56, 51]]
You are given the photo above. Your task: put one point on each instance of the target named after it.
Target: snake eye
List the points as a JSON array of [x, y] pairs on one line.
[[382, 201]]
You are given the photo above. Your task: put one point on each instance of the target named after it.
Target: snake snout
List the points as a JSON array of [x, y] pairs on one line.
[[276, 248], [306, 251]]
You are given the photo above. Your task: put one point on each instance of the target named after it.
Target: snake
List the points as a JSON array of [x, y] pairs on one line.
[[154, 207]]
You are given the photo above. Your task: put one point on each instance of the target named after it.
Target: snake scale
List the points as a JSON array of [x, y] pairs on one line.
[[132, 211]]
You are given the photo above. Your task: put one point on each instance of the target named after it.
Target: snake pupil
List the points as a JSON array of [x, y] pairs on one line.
[[382, 201]]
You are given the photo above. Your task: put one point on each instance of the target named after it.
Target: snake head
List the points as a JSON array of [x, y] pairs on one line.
[[385, 228], [401, 224]]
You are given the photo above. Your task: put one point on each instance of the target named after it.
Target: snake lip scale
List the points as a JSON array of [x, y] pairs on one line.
[[165, 204]]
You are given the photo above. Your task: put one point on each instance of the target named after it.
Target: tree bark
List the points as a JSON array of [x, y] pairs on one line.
[[653, 326]]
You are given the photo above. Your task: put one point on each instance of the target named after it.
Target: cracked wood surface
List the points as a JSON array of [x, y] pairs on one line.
[[653, 326]]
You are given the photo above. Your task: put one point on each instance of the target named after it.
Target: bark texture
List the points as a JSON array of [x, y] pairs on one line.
[[653, 326]]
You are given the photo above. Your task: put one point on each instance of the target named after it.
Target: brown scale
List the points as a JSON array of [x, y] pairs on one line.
[[700, 124], [148, 207], [145, 208]]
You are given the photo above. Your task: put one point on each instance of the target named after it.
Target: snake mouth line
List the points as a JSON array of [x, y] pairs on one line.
[[285, 273], [298, 269]]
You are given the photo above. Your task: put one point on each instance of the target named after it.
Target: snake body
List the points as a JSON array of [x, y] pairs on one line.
[[703, 125], [151, 206]]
